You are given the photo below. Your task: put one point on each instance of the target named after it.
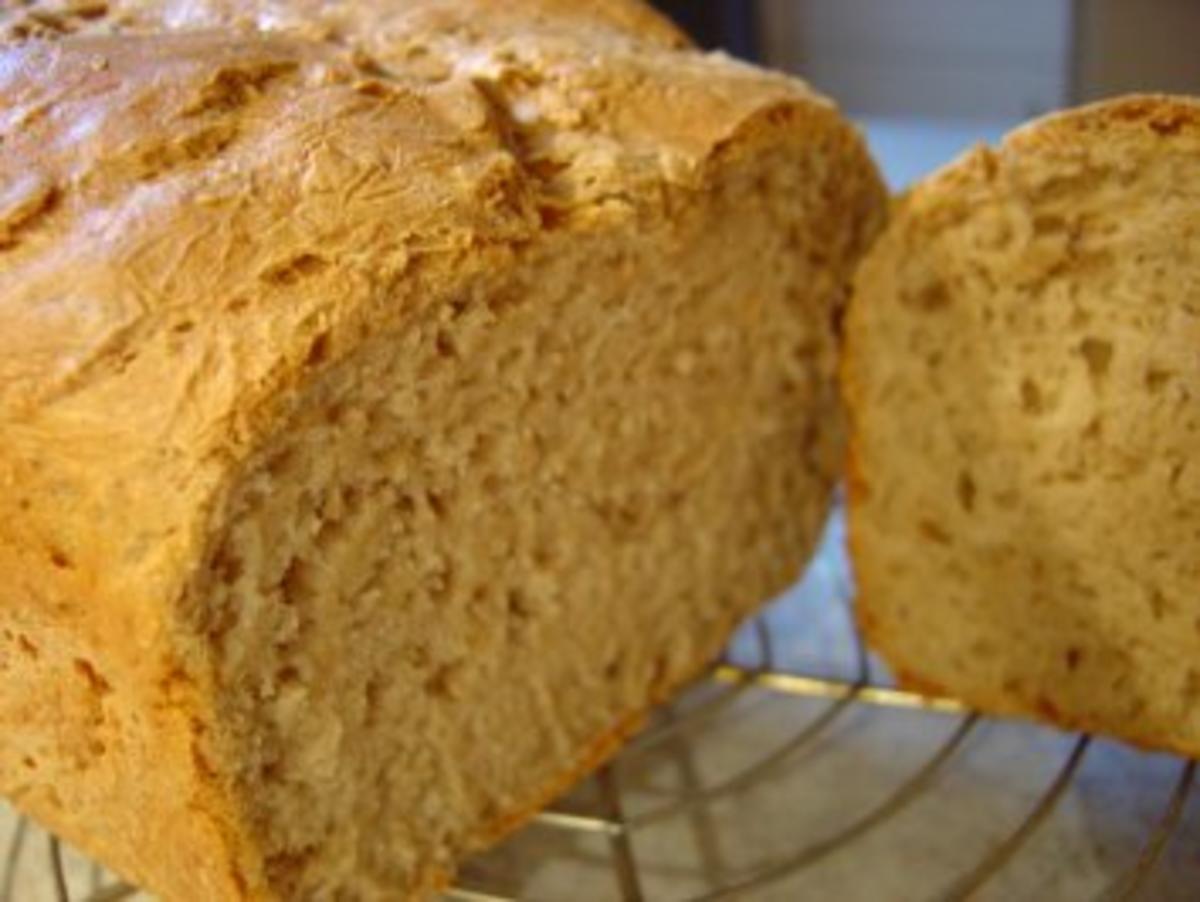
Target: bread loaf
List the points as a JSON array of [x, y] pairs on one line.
[[396, 399], [1022, 377]]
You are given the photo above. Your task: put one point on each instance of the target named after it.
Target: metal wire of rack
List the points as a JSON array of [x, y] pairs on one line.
[[728, 695]]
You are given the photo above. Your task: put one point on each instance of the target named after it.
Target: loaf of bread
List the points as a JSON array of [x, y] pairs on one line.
[[1023, 381], [396, 399]]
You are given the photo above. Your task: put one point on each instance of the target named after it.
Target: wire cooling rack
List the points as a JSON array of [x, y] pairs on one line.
[[796, 770]]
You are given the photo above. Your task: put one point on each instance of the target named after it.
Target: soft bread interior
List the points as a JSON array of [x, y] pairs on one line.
[[492, 536]]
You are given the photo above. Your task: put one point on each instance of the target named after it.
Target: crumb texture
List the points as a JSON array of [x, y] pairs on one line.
[[496, 535], [1023, 386]]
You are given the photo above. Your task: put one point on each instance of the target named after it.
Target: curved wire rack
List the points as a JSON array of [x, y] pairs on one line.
[[790, 707]]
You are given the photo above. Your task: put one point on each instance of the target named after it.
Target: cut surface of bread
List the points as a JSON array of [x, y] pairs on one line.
[[396, 400], [1023, 384]]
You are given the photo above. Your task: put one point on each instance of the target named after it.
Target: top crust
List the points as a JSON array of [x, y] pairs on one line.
[[1120, 131]]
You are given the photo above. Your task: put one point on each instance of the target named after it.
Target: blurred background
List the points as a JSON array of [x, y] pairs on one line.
[[929, 78]]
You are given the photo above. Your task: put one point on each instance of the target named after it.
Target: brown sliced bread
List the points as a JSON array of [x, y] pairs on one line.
[[396, 399], [1023, 384]]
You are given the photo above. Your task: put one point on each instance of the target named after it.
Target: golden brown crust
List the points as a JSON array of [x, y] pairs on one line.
[[1108, 129], [1146, 117], [100, 745]]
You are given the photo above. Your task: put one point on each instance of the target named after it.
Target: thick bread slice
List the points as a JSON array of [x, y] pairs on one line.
[[1024, 388], [395, 400]]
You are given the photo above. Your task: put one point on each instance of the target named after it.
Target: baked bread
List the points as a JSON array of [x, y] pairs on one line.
[[1022, 382], [396, 399]]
